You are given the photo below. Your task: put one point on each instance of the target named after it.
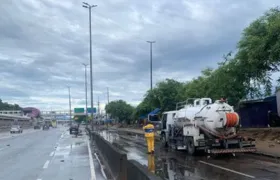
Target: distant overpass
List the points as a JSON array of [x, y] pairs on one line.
[[62, 115], [13, 115], [17, 112], [7, 118]]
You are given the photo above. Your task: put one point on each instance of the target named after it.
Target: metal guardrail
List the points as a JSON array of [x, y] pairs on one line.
[[120, 167]]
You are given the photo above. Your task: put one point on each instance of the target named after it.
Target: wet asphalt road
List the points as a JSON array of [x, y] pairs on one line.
[[45, 155], [176, 165]]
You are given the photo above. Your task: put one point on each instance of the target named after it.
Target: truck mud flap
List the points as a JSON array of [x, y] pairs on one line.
[[237, 150]]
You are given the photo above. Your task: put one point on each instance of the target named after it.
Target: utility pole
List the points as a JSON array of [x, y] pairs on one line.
[[107, 117], [108, 95], [88, 6], [151, 62], [98, 112], [70, 113], [86, 85]]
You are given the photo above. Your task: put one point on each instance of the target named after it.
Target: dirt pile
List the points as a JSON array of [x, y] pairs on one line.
[[267, 139]]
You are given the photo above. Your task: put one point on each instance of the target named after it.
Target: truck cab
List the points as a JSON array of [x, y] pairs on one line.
[[166, 122]]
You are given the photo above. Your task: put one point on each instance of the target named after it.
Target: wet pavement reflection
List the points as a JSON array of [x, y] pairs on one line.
[[177, 165]]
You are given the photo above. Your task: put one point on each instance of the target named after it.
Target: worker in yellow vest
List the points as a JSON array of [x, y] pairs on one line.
[[150, 137]]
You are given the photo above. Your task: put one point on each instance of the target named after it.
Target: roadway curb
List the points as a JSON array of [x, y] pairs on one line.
[[266, 155], [92, 170], [157, 139]]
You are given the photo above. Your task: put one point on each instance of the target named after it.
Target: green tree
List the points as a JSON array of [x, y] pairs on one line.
[[164, 95], [259, 50], [120, 110], [7, 106]]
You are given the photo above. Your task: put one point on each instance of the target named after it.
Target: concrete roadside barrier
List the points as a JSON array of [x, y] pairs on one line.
[[120, 167]]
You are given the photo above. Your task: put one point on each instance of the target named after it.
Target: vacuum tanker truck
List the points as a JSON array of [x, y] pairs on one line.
[[197, 124]]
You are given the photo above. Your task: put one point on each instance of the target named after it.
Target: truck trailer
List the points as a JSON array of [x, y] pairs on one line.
[[197, 124]]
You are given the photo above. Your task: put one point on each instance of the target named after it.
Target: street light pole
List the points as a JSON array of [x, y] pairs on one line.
[[151, 62], [86, 5], [70, 113], [85, 85]]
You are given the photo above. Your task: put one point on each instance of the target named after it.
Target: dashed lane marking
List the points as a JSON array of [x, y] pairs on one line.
[[226, 169], [52, 153], [46, 164]]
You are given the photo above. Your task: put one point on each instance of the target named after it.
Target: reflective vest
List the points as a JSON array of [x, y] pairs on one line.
[[149, 130]]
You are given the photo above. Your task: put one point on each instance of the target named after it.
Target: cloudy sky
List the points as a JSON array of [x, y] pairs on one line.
[[43, 44]]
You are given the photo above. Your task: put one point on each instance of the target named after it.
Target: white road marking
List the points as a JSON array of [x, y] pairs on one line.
[[2, 148], [92, 171], [52, 153], [226, 169], [102, 169], [39, 179], [46, 164]]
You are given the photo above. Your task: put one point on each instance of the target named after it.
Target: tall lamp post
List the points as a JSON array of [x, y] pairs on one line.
[[85, 85], [70, 112], [88, 6], [151, 62]]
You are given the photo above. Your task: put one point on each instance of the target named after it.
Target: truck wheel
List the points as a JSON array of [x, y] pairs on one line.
[[190, 146], [163, 140]]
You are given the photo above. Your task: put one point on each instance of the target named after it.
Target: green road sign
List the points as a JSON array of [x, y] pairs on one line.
[[79, 110], [89, 110]]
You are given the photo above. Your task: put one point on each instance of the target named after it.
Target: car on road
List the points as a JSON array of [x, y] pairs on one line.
[[46, 127], [74, 128], [37, 126], [16, 129]]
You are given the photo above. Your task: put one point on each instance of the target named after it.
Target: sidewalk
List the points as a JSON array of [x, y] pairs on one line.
[[264, 147]]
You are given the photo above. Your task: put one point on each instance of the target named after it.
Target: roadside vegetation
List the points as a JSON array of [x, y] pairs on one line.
[[6, 106], [242, 74]]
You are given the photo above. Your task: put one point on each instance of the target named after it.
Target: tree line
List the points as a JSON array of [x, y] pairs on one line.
[[244, 74], [7, 106]]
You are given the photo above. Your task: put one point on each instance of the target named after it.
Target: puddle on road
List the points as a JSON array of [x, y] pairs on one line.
[[165, 163], [79, 143]]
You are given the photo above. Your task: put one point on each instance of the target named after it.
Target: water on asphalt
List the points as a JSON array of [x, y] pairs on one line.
[[53, 154], [176, 165]]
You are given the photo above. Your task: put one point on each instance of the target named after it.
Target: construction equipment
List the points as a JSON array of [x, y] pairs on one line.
[[200, 125]]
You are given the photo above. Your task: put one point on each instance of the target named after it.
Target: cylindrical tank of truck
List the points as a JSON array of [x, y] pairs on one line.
[[204, 125]]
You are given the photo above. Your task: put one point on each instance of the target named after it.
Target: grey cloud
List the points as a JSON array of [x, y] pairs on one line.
[[44, 43], [12, 92]]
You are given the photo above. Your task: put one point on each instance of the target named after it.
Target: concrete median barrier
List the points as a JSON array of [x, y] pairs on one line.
[[121, 168]]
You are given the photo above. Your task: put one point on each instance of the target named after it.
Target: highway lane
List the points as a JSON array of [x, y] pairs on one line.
[[7, 134], [44, 155], [175, 165]]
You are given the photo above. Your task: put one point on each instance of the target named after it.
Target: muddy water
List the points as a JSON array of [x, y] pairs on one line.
[[177, 165]]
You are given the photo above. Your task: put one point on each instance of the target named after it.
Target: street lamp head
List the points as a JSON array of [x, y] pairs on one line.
[[84, 64], [86, 3], [151, 41]]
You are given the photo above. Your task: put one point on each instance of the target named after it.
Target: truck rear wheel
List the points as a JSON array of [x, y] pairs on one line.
[[190, 146]]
